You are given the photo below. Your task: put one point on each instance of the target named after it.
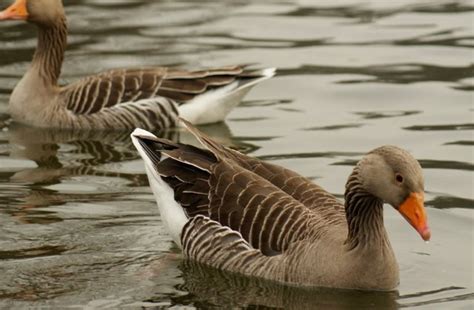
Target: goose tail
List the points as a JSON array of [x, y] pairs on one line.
[[214, 106], [172, 213]]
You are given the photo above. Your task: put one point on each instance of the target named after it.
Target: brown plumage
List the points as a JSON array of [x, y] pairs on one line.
[[124, 98], [239, 214]]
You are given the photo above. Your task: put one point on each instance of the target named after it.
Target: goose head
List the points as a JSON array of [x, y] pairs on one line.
[[40, 12], [395, 176]]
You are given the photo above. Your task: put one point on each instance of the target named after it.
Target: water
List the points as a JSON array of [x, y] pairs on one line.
[[78, 224]]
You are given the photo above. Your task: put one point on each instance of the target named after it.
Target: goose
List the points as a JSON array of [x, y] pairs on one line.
[[150, 98], [243, 215]]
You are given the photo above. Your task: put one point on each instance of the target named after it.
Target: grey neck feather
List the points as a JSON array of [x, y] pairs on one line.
[[49, 54], [364, 214]]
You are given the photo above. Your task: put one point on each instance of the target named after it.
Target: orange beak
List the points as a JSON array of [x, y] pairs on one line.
[[414, 212], [15, 11]]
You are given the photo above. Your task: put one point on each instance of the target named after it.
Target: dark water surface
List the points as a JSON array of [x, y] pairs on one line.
[[78, 222]]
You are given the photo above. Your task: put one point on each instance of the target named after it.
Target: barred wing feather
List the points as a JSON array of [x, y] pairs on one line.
[[114, 87]]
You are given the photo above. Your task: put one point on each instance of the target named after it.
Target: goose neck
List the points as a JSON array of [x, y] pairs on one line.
[[49, 54], [364, 214]]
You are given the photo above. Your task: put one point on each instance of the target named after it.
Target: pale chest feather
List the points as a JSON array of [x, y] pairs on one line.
[[330, 264], [35, 103]]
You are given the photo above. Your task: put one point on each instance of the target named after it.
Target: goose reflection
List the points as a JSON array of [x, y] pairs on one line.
[[208, 288], [59, 154], [62, 155]]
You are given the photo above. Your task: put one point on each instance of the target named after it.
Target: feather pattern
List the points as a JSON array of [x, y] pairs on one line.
[[124, 98], [209, 242], [300, 188], [230, 195], [259, 219], [94, 93]]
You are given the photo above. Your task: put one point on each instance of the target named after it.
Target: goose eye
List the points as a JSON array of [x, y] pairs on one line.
[[399, 178]]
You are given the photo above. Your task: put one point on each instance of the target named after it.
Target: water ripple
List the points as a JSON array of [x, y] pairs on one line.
[[404, 73], [468, 126]]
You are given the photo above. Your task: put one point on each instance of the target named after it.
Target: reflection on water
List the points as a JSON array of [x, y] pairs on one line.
[[442, 127], [209, 287], [84, 152], [33, 252], [79, 155], [388, 114], [79, 225], [400, 73]]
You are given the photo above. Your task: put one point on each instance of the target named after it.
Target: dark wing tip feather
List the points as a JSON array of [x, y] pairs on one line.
[[154, 147]]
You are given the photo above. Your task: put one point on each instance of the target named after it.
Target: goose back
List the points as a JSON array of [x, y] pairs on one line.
[[94, 93], [146, 98], [219, 188]]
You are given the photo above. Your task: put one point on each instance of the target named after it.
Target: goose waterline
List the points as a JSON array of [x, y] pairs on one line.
[[243, 215], [150, 98]]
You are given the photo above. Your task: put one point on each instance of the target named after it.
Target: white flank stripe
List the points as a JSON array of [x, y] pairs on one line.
[[214, 106]]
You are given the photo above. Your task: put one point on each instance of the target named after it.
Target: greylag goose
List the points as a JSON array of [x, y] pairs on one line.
[[243, 215], [150, 98]]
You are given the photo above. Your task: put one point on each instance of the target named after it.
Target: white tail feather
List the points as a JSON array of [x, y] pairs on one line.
[[214, 106], [172, 214]]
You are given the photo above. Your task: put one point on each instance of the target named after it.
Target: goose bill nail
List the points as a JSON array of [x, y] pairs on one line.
[[16, 11], [413, 211]]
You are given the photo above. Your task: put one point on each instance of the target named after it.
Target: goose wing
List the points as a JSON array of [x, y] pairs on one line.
[[98, 92], [311, 195], [208, 242], [208, 184]]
